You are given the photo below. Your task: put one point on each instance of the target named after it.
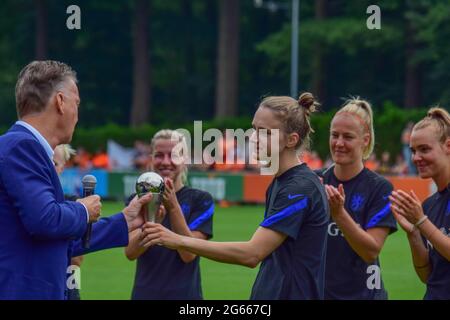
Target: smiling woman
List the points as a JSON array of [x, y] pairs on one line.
[[290, 241], [427, 225], [162, 273], [359, 207]]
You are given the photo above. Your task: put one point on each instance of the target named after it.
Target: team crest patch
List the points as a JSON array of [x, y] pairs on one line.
[[356, 202]]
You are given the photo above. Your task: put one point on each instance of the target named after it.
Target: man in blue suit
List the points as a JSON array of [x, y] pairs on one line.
[[39, 231]]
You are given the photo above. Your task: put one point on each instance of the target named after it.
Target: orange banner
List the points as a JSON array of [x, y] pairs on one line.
[[255, 186], [423, 188]]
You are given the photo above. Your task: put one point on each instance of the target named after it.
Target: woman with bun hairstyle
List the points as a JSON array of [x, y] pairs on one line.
[[290, 242], [360, 218], [427, 225]]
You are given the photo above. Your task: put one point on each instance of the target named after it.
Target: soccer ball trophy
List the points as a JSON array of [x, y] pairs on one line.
[[153, 183]]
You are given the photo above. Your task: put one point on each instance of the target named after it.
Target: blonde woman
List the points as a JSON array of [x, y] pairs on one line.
[[290, 242], [427, 225], [361, 218], [161, 273]]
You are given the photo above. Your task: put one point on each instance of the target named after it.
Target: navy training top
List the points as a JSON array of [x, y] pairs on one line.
[[160, 272], [296, 205], [348, 276], [437, 208]]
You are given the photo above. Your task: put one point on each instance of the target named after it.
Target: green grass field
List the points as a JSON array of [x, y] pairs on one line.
[[109, 275]]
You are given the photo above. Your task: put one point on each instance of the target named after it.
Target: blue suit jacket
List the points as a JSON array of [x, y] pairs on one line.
[[39, 231]]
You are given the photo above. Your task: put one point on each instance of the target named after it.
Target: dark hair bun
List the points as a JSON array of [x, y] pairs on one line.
[[307, 101]]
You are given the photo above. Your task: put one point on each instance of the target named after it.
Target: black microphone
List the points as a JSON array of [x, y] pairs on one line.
[[88, 182]]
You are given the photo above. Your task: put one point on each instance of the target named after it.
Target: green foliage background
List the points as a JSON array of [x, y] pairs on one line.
[[389, 122], [183, 50]]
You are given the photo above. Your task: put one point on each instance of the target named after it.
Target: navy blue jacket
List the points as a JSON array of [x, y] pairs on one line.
[[39, 231]]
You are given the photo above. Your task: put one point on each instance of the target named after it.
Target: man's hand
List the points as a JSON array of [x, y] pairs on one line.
[[93, 206], [135, 211]]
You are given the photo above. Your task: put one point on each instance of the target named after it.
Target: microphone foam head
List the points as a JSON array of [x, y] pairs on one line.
[[89, 181], [149, 182]]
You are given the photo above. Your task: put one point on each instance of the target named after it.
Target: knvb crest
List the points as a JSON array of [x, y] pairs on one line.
[[356, 202]]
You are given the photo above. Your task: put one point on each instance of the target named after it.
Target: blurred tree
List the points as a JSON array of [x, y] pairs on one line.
[[141, 65], [319, 73], [432, 24], [101, 54], [359, 61], [17, 18], [413, 68], [183, 54], [189, 90], [339, 56], [227, 59], [41, 29]]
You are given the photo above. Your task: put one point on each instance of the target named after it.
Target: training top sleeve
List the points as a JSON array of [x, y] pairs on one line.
[[201, 216], [379, 212], [288, 210]]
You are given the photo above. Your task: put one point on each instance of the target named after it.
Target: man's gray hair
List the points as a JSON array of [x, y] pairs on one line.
[[37, 82]]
